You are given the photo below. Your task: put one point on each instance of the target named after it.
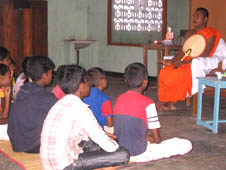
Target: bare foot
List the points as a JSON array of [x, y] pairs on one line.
[[171, 106], [162, 106]]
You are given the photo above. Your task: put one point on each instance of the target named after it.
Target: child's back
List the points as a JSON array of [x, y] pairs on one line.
[[31, 106], [68, 123], [98, 101], [133, 113], [136, 121], [100, 105]]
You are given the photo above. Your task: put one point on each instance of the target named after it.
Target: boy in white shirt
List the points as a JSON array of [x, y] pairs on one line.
[[70, 121]]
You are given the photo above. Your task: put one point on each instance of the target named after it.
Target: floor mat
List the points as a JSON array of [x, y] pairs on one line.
[[24, 160]]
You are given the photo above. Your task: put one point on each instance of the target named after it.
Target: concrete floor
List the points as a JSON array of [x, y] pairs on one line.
[[209, 149]]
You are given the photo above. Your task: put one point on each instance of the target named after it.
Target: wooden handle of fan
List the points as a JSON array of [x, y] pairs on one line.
[[187, 53]]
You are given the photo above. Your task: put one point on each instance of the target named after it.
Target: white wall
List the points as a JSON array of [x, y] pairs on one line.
[[67, 19], [111, 58], [87, 20]]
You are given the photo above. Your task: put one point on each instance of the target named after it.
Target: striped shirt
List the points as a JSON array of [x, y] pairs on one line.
[[134, 113]]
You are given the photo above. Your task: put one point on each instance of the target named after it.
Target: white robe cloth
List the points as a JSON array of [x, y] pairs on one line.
[[201, 66], [166, 149]]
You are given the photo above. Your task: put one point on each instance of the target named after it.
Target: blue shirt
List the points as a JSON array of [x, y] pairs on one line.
[[100, 105]]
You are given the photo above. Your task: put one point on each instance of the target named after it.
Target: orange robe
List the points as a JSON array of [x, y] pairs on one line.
[[174, 84]]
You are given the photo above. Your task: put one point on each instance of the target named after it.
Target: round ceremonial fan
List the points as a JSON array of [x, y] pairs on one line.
[[194, 46]]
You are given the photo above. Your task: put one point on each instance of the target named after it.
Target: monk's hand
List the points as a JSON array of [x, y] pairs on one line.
[[179, 63], [165, 62]]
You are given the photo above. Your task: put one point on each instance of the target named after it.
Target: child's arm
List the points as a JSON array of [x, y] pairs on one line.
[[96, 133], [110, 121], [152, 133], [5, 110], [153, 136], [107, 112]]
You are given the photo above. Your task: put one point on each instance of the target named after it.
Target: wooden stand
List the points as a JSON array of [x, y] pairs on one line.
[[162, 50]]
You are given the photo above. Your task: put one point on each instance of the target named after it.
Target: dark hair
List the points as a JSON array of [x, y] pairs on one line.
[[24, 63], [204, 11], [95, 74], [60, 72], [38, 65], [74, 75], [3, 53], [23, 66], [12, 62], [3, 69], [135, 74]]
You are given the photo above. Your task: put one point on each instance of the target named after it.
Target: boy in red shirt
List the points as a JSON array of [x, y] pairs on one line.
[[136, 123]]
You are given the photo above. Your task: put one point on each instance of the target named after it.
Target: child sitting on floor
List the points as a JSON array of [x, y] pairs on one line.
[[68, 122], [99, 102], [4, 59], [5, 85], [31, 106], [136, 121], [12, 67]]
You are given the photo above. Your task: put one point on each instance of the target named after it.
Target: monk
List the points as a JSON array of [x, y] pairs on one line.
[[175, 79]]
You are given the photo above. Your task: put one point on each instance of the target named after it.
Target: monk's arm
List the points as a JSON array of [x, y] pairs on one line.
[[209, 46], [177, 57]]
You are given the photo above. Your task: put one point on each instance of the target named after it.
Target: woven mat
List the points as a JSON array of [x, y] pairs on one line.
[[27, 161]]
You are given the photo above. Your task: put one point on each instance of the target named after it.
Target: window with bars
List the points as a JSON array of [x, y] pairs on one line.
[[137, 15], [135, 22]]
